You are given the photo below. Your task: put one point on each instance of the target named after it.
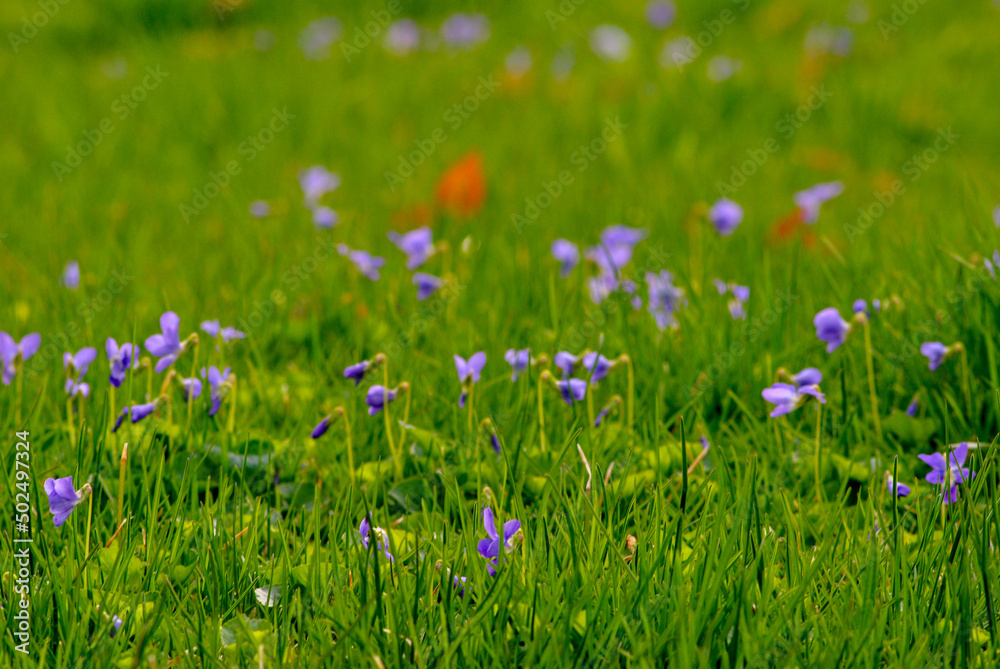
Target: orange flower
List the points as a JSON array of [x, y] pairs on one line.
[[785, 228], [462, 188]]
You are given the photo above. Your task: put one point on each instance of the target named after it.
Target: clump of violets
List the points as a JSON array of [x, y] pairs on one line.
[[725, 216], [71, 275], [787, 397], [810, 199], [63, 497], [365, 262], [215, 330], [611, 255], [936, 353], [469, 372], [948, 470], [136, 413], [568, 255], [121, 359], [168, 345], [740, 295], [418, 245], [381, 538], [76, 366], [489, 548], [13, 353], [518, 361], [664, 299], [427, 284]]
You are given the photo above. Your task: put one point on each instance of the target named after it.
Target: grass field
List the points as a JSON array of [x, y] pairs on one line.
[[178, 152]]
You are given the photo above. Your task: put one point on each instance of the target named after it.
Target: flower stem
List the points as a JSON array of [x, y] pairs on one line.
[[122, 473], [190, 399], [231, 419], [20, 386], [69, 418], [350, 443], [590, 406], [541, 410], [472, 388], [397, 459], [631, 391], [819, 423], [86, 549], [871, 382]]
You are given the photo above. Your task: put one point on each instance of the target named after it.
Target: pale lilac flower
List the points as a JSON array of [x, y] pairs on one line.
[[365, 262], [121, 359], [192, 388], [418, 245], [381, 538], [260, 209], [63, 498], [725, 215], [661, 13], [831, 328], [427, 284], [316, 182], [611, 43], [469, 372], [76, 387], [490, 548], [518, 62], [568, 255], [948, 471], [77, 364], [71, 275], [935, 352], [810, 200], [572, 390], [996, 216], [615, 235], [518, 361], [11, 353], [118, 625], [721, 68], [464, 31], [167, 346], [665, 299], [215, 329], [860, 307], [376, 398], [565, 361], [316, 38], [402, 37], [788, 398], [325, 218], [221, 383]]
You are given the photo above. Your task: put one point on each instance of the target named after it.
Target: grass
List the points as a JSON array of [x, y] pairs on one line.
[[761, 554]]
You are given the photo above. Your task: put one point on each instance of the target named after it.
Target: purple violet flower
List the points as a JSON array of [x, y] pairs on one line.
[[860, 307], [316, 182], [365, 262], [831, 328], [192, 388], [911, 409], [661, 13], [597, 365], [568, 255], [321, 428], [376, 398], [495, 442], [899, 489], [427, 285], [490, 548], [935, 352], [316, 38], [665, 299], [121, 359], [948, 471], [381, 538], [565, 361], [418, 245], [518, 361], [136, 412], [214, 329], [260, 209], [357, 371], [325, 218], [572, 390], [610, 43], [788, 398], [71, 275], [810, 376], [469, 372], [464, 31], [221, 383], [725, 215], [402, 37], [63, 498], [12, 352], [118, 625], [167, 346], [810, 200], [77, 365]]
